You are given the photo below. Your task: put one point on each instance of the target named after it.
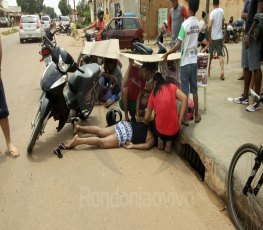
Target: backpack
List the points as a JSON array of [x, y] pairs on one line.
[[258, 31]]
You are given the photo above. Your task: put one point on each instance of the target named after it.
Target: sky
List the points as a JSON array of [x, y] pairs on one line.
[[51, 3]]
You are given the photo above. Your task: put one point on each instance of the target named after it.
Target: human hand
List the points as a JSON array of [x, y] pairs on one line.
[[128, 145], [165, 56], [247, 41]]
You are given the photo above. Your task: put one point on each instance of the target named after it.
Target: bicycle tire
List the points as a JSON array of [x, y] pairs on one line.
[[36, 131], [244, 213], [225, 53]]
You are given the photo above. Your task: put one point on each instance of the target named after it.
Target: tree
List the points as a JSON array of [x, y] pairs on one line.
[[49, 11], [65, 9], [30, 6], [83, 11]]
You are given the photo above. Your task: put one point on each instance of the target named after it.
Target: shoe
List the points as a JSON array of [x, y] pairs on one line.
[[108, 103], [241, 100], [160, 144], [253, 107], [241, 78]]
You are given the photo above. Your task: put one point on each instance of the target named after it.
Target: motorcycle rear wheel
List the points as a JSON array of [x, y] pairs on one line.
[[58, 32], [236, 38], [90, 102], [68, 32], [37, 131]]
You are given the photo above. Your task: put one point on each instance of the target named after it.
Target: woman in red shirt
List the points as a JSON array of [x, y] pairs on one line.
[[163, 101]]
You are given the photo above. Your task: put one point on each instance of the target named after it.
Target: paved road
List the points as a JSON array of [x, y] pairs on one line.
[[89, 188]]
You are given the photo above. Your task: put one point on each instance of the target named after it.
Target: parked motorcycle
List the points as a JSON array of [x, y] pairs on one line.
[[85, 58], [231, 33], [63, 29], [62, 97]]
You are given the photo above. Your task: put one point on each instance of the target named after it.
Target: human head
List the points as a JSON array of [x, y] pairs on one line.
[[110, 63], [215, 2], [100, 13], [174, 3], [158, 81], [147, 70], [193, 5]]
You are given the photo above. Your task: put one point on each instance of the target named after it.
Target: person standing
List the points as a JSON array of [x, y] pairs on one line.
[[188, 41], [215, 34], [175, 19], [107, 15], [252, 57], [4, 113]]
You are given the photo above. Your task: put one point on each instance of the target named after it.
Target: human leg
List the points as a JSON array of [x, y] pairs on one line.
[[185, 82], [219, 50], [99, 131], [107, 142]]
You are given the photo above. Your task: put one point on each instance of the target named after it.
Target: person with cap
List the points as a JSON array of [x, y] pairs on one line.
[[98, 25], [163, 101], [133, 83]]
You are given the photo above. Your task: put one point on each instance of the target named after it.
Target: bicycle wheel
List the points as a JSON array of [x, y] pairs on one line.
[[245, 208], [225, 54]]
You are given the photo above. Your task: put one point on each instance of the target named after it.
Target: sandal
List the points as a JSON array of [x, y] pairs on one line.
[[58, 153], [198, 120], [185, 123], [222, 78], [62, 146], [12, 152]]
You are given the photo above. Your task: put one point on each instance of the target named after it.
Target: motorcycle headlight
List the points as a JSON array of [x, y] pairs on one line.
[[63, 67]]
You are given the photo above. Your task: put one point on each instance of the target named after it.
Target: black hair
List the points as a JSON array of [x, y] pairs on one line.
[[193, 5], [204, 14], [215, 2], [159, 82], [153, 66]]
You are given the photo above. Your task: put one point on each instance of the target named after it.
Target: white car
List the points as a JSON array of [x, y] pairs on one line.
[[65, 20], [45, 21], [30, 28]]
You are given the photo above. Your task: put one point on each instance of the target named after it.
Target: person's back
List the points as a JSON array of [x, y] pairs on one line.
[[217, 15]]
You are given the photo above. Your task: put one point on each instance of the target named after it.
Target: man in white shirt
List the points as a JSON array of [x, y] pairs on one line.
[[215, 32]]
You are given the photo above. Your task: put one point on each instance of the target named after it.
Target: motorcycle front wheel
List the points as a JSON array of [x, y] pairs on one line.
[[37, 130], [58, 32], [236, 38], [68, 32]]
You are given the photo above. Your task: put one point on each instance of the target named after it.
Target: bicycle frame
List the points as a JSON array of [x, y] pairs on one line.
[[258, 162]]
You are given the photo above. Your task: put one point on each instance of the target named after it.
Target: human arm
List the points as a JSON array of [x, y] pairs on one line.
[[147, 115], [148, 144], [89, 27], [185, 12], [169, 23], [183, 98], [210, 24], [138, 102], [254, 24]]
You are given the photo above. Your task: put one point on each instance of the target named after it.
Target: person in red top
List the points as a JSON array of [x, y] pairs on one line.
[[133, 83], [175, 19], [98, 25], [163, 101]]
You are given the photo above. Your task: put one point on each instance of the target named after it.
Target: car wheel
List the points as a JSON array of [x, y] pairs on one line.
[[134, 41], [21, 40]]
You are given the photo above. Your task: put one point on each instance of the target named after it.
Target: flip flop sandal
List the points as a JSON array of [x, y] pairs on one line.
[[57, 151], [62, 146], [13, 153]]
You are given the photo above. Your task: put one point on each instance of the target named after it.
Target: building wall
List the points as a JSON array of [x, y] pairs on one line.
[[150, 20]]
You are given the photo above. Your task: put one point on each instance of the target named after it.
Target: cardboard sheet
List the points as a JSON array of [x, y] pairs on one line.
[[151, 58], [111, 49], [106, 48]]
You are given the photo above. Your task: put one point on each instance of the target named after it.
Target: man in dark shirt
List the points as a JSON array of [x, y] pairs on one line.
[[251, 58]]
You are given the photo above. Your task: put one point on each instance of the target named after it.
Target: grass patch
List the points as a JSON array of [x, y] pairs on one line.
[[10, 31]]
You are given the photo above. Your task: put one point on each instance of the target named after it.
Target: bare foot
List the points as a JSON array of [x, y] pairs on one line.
[[197, 118], [222, 77], [75, 128], [72, 143]]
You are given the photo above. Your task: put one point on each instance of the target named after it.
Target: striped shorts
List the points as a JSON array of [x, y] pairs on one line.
[[124, 132]]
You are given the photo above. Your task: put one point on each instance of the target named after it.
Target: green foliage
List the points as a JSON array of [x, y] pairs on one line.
[[49, 11], [11, 31], [83, 11], [74, 32], [64, 8], [30, 6]]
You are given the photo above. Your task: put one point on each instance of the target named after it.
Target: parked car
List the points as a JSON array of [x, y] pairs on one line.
[[4, 22], [45, 21], [65, 20], [30, 28], [127, 29]]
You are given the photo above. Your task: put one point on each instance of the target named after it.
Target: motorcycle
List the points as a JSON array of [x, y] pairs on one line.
[[63, 29], [85, 58], [231, 33], [64, 100]]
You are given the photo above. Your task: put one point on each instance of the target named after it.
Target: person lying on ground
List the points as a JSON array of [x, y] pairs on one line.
[[131, 135]]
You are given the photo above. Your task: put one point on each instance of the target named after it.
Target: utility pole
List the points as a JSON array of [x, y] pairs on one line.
[[207, 6], [74, 11], [148, 19]]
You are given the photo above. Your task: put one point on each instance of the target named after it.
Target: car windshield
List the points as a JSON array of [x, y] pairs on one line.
[[29, 19], [64, 18], [45, 18]]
